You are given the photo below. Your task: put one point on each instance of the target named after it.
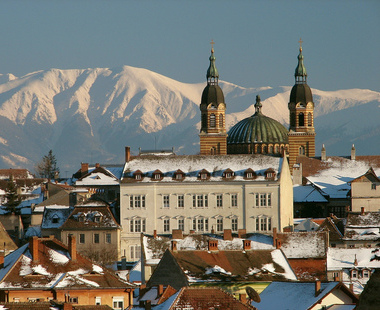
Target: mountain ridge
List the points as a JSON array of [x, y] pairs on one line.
[[89, 115]]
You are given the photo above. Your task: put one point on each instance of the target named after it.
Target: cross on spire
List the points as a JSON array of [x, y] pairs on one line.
[[212, 44], [300, 42]]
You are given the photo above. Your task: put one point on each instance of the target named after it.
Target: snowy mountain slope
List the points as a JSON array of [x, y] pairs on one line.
[[89, 115]]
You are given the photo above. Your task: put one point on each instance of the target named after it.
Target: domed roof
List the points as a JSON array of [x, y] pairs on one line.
[[212, 93], [301, 93], [258, 128]]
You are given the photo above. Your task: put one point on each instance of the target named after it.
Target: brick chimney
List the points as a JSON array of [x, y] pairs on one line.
[[174, 245], [155, 234], [317, 287], [72, 247], [213, 245], [227, 234], [97, 165], [33, 248], [127, 154], [353, 152], [274, 236], [246, 245], [177, 234], [362, 211], [243, 298], [83, 169], [352, 287], [242, 233]]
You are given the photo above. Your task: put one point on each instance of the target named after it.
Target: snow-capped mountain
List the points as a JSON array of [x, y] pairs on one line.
[[90, 115]]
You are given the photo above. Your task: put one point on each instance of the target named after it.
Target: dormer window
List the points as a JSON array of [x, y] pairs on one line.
[[138, 175], [55, 219], [157, 175], [354, 274], [179, 175], [373, 186], [81, 217], [97, 219], [249, 174], [270, 174], [204, 174], [228, 174]]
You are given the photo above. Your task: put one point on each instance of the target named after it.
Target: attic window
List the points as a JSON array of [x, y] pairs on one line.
[[270, 174], [138, 177], [373, 186], [157, 176], [228, 174], [55, 219], [97, 219], [97, 177]]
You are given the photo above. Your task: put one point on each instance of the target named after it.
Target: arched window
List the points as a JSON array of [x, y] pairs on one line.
[[204, 120], [276, 148], [301, 119], [309, 120], [213, 151], [258, 149], [265, 148], [292, 119], [302, 150], [212, 120], [221, 120], [271, 149]]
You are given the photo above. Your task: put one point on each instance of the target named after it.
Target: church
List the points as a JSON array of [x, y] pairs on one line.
[[258, 134]]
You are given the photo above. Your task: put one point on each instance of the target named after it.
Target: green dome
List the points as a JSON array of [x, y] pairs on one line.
[[258, 128]]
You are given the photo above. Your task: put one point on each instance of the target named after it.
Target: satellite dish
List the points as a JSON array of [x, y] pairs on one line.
[[252, 294]]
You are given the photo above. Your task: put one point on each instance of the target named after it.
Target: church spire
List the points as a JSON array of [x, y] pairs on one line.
[[258, 105], [300, 73], [212, 71]]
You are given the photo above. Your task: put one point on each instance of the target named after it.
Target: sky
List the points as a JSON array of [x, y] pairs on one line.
[[256, 42]]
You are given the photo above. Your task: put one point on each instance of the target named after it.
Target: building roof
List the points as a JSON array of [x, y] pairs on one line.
[[100, 176], [15, 173], [55, 216], [362, 226], [341, 258], [90, 217], [54, 268], [192, 165], [297, 295], [308, 193], [306, 225]]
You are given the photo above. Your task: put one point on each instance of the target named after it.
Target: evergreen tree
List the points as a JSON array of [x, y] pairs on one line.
[[13, 199], [47, 168]]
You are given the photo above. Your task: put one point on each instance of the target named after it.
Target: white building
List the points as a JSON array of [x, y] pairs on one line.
[[202, 194]]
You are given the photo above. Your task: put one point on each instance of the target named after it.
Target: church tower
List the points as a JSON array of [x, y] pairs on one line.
[[301, 111], [213, 135]]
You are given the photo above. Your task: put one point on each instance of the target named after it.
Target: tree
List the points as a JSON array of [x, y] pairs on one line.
[[47, 168], [13, 199]]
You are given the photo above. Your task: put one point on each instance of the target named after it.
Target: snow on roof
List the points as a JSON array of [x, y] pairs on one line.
[[303, 244], [97, 179], [54, 217], [306, 225], [334, 179], [292, 295], [191, 165], [339, 258], [307, 193]]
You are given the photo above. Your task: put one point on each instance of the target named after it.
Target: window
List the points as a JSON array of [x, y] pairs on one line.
[[301, 119], [166, 201], [179, 176], [219, 200], [118, 303], [366, 273], [200, 224], [302, 150], [200, 201], [98, 301], [204, 175], [263, 200], [212, 120], [234, 202], [257, 224], [135, 252], [137, 201], [138, 176], [97, 219], [219, 224], [269, 223], [108, 238], [269, 200], [373, 186], [181, 224], [166, 225], [180, 201], [96, 238], [55, 219], [82, 238], [257, 200], [249, 175], [309, 120], [336, 275], [234, 224], [263, 224], [73, 300], [220, 120], [137, 225], [354, 274]]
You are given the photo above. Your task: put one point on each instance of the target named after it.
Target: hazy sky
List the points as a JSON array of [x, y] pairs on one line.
[[256, 42]]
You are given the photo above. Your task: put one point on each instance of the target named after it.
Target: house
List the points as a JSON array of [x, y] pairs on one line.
[[96, 229], [362, 229], [199, 298], [203, 194], [335, 228], [102, 182], [352, 266], [14, 226], [305, 251], [179, 268], [53, 218], [46, 269], [365, 192], [305, 296], [8, 245]]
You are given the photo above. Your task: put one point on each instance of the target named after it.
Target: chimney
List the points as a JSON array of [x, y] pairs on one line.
[[67, 306], [353, 153], [97, 165], [274, 236], [243, 298], [227, 234], [362, 211], [352, 287], [278, 243], [2, 259], [246, 245], [127, 154], [72, 247], [242, 233], [142, 290], [297, 174], [123, 263], [174, 245], [213, 245], [83, 168], [317, 287], [33, 248], [177, 234], [160, 290], [323, 153], [155, 234], [355, 261]]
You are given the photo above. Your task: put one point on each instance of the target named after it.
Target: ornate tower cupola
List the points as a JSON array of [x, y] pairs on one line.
[[301, 115], [213, 135]]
